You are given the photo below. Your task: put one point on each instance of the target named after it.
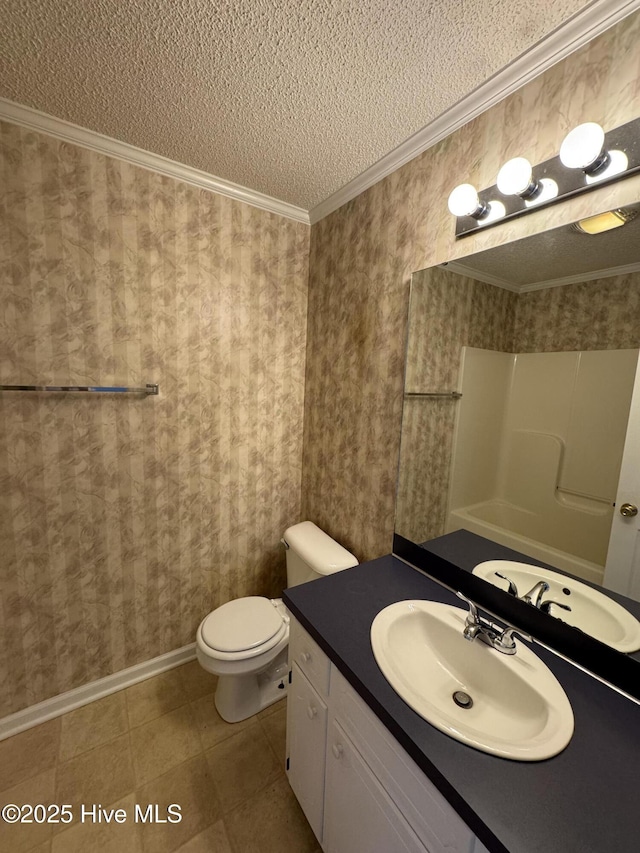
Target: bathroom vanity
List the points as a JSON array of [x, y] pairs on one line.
[[372, 775], [358, 788]]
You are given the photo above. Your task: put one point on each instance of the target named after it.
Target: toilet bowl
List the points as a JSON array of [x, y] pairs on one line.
[[245, 641]]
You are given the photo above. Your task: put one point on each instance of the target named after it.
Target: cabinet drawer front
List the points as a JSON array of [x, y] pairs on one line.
[[436, 823], [359, 815], [310, 658], [306, 740]]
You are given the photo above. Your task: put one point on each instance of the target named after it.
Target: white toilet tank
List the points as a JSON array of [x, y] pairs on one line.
[[312, 554]]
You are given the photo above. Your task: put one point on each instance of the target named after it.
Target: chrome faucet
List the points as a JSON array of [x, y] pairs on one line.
[[549, 603], [476, 628], [513, 589], [534, 596]]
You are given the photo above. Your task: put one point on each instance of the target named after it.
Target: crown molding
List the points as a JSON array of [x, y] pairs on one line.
[[578, 278], [610, 272], [73, 133], [468, 272], [584, 26]]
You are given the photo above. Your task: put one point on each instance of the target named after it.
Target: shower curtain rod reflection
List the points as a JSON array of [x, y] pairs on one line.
[[147, 390], [454, 395]]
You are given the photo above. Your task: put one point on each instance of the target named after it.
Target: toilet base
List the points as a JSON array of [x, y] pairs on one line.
[[241, 696]]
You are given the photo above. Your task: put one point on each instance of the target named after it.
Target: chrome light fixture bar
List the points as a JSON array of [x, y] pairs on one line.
[[588, 158]]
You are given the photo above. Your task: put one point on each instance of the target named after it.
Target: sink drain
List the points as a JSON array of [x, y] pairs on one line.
[[462, 699]]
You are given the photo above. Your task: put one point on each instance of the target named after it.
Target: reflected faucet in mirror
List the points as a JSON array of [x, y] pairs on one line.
[[534, 596], [590, 610]]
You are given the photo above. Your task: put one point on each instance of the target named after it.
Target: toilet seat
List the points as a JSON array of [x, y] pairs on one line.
[[243, 628]]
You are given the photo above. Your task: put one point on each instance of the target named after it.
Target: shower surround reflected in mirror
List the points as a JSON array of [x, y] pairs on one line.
[[542, 340], [537, 450]]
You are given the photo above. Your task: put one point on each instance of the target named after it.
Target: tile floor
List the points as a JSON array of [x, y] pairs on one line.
[[158, 742]]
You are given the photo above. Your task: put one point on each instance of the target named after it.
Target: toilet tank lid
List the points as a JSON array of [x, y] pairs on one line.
[[320, 552]]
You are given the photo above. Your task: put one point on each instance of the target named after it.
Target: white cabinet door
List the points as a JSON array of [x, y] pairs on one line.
[[359, 816], [306, 739]]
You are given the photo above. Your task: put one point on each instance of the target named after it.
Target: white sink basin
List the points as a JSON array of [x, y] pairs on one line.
[[519, 709], [591, 611]]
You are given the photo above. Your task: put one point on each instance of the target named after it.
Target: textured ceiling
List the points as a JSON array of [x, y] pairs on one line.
[[554, 255], [293, 98]]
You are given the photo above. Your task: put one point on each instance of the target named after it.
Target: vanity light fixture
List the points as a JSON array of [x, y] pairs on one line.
[[588, 157]]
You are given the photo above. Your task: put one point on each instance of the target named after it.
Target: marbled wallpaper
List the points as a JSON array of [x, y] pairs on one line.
[[123, 521], [362, 257], [449, 311], [593, 315]]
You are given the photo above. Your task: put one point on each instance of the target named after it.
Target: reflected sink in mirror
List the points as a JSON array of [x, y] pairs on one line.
[[518, 709], [591, 611]]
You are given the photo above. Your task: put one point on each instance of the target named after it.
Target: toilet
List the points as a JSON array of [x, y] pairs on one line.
[[244, 642]]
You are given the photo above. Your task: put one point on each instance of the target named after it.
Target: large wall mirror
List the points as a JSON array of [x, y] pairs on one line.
[[521, 418]]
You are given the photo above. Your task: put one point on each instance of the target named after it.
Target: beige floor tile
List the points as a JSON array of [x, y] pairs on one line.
[[20, 837], [42, 848], [164, 743], [275, 728], [100, 837], [155, 697], [273, 709], [241, 766], [196, 680], [92, 725], [189, 786], [270, 822], [102, 775], [212, 728], [212, 840], [29, 753]]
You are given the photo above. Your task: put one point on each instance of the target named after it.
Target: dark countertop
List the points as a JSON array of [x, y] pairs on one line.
[[581, 801]]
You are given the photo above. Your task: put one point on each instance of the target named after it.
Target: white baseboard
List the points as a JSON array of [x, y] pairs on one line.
[[58, 705]]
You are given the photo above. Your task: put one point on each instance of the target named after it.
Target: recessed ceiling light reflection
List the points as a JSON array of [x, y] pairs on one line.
[[605, 221]]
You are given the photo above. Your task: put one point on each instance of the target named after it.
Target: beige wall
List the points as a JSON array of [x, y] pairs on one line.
[[124, 521], [593, 315], [362, 257]]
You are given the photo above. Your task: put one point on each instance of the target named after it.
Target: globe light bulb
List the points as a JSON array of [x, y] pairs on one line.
[[583, 148], [464, 201], [516, 178]]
